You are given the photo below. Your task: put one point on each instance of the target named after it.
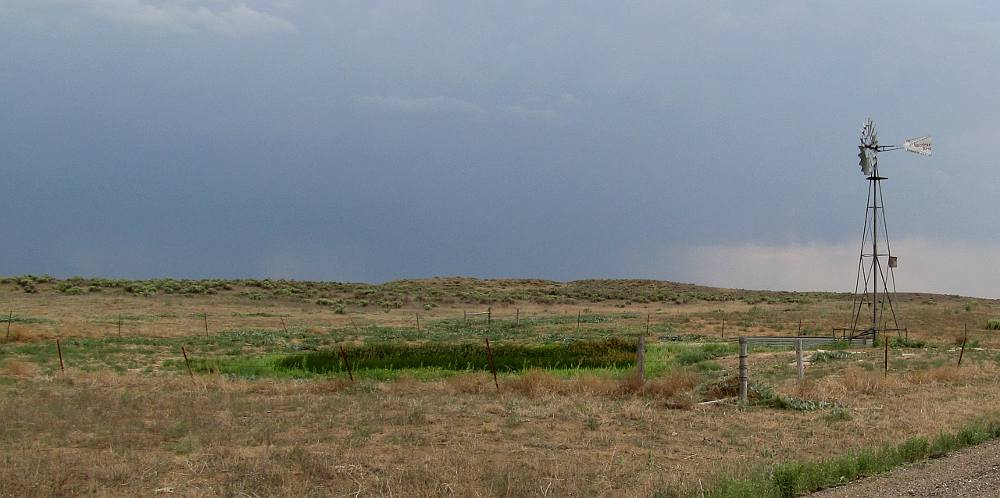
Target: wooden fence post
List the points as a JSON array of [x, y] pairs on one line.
[[493, 367], [283, 327], [517, 317], [798, 359], [206, 323], [188, 363], [723, 327], [417, 315], [964, 340], [343, 355], [578, 320], [798, 332], [744, 371], [62, 366], [489, 316], [10, 318], [119, 325]]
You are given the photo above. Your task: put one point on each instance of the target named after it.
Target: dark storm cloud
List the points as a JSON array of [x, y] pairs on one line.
[[381, 140]]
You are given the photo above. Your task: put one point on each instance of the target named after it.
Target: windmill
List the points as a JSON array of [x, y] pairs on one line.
[[876, 263]]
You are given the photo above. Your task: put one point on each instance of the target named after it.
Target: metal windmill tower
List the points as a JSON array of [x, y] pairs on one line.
[[876, 263]]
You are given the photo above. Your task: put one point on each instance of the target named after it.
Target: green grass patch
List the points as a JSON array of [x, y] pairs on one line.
[[24, 319], [993, 324], [690, 354], [901, 342], [612, 353], [384, 361]]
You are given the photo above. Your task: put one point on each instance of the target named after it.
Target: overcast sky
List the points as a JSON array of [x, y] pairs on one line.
[[708, 142]]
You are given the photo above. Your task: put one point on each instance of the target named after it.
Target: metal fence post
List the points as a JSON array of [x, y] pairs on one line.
[[798, 359], [744, 375]]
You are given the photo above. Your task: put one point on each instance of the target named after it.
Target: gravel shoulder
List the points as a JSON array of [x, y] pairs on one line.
[[973, 472]]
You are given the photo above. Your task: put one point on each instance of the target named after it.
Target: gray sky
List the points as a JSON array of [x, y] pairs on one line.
[[710, 142]]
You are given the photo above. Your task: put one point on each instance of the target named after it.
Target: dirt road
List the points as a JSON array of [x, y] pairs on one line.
[[974, 472]]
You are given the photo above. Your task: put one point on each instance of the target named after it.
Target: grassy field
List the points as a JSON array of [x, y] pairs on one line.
[[271, 409]]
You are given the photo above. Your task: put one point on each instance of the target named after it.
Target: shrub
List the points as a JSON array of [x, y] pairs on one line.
[[27, 284]]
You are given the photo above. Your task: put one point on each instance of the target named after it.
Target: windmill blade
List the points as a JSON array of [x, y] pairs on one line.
[[919, 145], [865, 160]]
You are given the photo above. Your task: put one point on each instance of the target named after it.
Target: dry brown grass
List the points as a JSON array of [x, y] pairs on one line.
[[19, 333], [534, 382], [843, 386], [126, 434], [673, 384], [859, 381], [537, 382], [952, 374], [133, 434], [20, 368], [470, 383]]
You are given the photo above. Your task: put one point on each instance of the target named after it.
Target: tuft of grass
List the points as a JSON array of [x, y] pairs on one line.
[[838, 414], [993, 324]]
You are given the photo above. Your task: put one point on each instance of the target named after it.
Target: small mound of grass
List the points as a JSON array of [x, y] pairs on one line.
[[993, 324]]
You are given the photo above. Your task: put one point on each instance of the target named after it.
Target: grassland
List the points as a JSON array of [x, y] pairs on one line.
[[271, 411]]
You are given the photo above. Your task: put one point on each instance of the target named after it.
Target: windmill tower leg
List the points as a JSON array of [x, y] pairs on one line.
[[872, 274]]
